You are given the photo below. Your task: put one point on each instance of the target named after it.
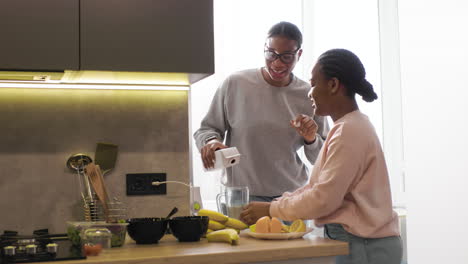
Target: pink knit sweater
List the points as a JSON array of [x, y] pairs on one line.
[[349, 183]]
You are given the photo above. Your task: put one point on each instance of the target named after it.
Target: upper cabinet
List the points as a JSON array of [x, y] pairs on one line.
[[39, 35], [147, 35], [107, 35]]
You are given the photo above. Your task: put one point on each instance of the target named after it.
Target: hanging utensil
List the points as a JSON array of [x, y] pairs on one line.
[[101, 179], [92, 171], [106, 156], [78, 163]]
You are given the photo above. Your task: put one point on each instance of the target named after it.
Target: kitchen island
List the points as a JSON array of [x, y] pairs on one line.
[[310, 249]]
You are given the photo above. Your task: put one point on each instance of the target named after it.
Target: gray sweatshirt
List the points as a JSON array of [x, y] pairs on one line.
[[252, 115]]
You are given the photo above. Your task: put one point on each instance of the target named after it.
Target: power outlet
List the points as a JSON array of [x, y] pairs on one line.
[[140, 184]]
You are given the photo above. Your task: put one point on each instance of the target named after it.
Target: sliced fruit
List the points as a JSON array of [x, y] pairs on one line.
[[235, 223], [252, 228], [263, 225], [213, 215], [275, 225], [297, 226], [214, 225], [284, 228]]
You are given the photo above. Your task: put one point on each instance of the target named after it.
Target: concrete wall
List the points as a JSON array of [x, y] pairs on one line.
[[41, 128]]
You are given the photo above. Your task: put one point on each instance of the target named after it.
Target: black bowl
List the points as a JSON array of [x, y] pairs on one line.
[[189, 228], [147, 230]]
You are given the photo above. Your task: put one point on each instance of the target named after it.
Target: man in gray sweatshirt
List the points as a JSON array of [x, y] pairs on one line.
[[266, 114]]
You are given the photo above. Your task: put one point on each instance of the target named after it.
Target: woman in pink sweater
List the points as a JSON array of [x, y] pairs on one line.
[[349, 190]]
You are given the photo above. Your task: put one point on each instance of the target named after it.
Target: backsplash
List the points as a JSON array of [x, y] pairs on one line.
[[41, 128]]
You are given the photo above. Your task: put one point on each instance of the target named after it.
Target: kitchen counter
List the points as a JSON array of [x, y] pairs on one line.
[[310, 249]]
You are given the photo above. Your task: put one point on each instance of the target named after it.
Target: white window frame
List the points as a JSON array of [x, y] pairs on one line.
[[391, 97]]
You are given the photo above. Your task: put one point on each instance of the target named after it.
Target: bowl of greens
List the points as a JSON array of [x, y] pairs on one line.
[[75, 231]]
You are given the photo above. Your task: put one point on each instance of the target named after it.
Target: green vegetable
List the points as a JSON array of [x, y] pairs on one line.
[[74, 235], [118, 239]]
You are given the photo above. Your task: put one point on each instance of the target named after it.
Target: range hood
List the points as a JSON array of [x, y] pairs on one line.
[[99, 79]]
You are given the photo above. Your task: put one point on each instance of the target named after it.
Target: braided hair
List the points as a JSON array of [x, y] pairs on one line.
[[288, 30], [348, 69]]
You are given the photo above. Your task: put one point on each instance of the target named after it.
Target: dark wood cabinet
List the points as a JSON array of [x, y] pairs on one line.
[[107, 35], [39, 35], [147, 35]]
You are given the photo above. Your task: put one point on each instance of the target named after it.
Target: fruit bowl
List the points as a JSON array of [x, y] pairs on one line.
[[147, 230], [189, 228]]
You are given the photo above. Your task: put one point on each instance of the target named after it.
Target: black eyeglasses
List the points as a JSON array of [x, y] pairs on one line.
[[286, 58]]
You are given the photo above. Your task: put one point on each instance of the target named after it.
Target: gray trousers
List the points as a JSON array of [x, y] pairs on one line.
[[255, 198], [386, 250]]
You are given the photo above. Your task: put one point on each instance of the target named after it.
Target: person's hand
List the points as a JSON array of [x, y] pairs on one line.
[[253, 211], [306, 127], [207, 152]]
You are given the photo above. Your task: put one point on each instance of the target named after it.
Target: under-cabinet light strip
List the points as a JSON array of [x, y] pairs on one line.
[[92, 86]]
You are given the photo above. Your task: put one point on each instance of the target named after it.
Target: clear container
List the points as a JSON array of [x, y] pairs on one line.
[[75, 231], [97, 236]]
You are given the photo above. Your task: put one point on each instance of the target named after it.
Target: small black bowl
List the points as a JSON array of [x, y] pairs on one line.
[[147, 230], [189, 228]]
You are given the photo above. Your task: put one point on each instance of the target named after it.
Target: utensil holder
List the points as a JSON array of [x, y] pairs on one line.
[[94, 210]]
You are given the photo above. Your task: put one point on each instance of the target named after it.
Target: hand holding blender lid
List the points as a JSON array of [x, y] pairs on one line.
[[225, 158]]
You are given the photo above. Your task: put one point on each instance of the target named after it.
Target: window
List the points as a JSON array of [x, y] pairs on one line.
[[241, 27]]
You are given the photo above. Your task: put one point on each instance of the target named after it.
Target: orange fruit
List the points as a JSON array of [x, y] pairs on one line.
[[263, 225], [275, 225]]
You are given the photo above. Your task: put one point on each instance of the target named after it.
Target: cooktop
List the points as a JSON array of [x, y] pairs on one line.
[[38, 247]]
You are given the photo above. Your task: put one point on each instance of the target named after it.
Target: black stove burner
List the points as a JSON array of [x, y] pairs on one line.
[[33, 248]]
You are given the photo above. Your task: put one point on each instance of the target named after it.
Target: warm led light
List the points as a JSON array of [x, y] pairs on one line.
[[91, 86], [129, 78]]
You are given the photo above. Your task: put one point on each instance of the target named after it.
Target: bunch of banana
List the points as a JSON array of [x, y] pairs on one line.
[[225, 235], [215, 225], [219, 221], [235, 223], [221, 227], [213, 215]]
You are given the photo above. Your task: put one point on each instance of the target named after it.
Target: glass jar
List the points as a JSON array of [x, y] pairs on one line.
[[97, 236]]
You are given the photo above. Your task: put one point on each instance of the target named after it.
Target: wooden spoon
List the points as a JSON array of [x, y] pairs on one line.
[[98, 185]]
